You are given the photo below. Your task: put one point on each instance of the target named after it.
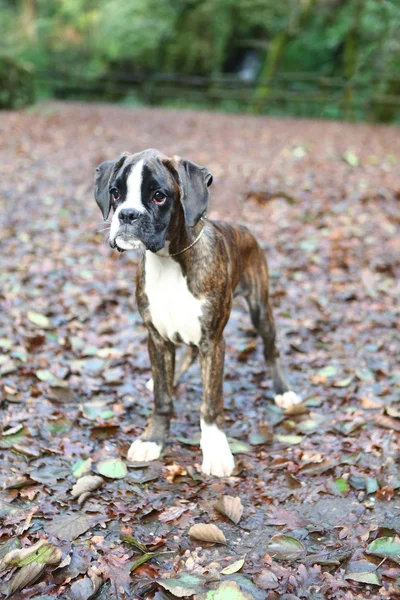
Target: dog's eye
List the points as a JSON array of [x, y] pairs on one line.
[[159, 197], [115, 194]]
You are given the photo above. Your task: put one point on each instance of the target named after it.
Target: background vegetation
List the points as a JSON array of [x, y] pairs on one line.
[[334, 58]]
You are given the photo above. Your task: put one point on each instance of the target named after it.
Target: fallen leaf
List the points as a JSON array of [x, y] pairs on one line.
[[113, 468], [342, 485], [234, 567], [184, 585], [69, 527], [369, 578], [230, 506], [43, 552], [25, 576], [86, 484], [238, 447], [284, 547], [263, 435], [142, 559], [351, 158], [207, 533], [38, 319], [385, 547], [172, 513], [291, 440], [227, 590], [328, 371], [267, 580], [82, 467]]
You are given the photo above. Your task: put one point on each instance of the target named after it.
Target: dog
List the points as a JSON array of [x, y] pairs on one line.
[[190, 269]]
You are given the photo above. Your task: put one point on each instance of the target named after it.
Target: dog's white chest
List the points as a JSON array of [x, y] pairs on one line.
[[173, 308]]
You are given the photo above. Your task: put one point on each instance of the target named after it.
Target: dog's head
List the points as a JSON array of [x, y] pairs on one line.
[[146, 190]]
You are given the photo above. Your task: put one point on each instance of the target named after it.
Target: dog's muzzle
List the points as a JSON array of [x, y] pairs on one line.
[[124, 240]]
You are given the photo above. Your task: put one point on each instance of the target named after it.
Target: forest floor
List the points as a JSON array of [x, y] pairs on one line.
[[319, 488]]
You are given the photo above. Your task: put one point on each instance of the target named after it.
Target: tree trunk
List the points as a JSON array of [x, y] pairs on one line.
[[276, 51], [28, 19]]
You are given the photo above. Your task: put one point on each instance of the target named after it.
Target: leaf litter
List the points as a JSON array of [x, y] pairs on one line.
[[318, 486]]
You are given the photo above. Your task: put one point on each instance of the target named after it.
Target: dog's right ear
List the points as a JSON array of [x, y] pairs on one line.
[[103, 178]]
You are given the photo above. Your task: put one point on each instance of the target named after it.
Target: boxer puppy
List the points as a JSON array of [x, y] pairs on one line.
[[190, 270]]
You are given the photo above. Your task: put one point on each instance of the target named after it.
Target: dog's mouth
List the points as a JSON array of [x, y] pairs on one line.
[[126, 241]]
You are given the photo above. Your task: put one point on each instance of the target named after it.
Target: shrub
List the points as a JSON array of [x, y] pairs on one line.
[[16, 83]]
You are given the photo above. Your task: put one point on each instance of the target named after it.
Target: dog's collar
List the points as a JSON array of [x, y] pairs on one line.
[[191, 245]]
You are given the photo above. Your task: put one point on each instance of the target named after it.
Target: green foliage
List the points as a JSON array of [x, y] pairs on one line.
[[357, 41], [16, 83]]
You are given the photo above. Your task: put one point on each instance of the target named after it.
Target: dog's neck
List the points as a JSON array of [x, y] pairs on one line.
[[181, 238]]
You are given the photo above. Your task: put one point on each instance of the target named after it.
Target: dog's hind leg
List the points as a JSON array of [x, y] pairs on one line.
[[263, 321], [183, 362], [162, 357]]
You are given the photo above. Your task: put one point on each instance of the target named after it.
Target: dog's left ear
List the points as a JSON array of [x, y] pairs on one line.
[[104, 174], [194, 182]]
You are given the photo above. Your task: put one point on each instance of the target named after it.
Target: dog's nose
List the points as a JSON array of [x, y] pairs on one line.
[[128, 215]]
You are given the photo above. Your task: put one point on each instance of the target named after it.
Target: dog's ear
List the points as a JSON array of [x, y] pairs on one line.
[[193, 181], [104, 175]]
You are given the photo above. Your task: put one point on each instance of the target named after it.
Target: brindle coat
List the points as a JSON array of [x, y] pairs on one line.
[[224, 262]]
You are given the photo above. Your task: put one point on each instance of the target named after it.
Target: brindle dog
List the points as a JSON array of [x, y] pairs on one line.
[[190, 270]]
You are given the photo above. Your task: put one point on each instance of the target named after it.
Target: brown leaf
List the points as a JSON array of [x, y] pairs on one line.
[[88, 586], [85, 485], [69, 527], [387, 422], [207, 533], [231, 507], [25, 576], [172, 513]]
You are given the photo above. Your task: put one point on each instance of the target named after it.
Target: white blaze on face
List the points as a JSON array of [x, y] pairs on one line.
[[133, 197]]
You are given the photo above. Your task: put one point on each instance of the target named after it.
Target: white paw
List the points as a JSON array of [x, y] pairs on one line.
[[150, 384], [141, 451], [217, 456], [287, 400]]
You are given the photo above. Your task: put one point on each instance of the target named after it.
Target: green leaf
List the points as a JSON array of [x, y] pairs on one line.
[[193, 441], [238, 447], [262, 436], [290, 439], [344, 382], [385, 547], [81, 467], [227, 590], [234, 567], [131, 540], [48, 377], [8, 440], [371, 484], [285, 547], [96, 410], [38, 319], [42, 552], [55, 426], [351, 158], [184, 585], [328, 371], [142, 559], [342, 485], [369, 578], [113, 468]]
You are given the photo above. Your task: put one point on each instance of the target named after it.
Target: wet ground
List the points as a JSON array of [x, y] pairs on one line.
[[322, 198]]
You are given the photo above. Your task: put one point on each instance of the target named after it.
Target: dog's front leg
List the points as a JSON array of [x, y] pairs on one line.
[[162, 357], [217, 456]]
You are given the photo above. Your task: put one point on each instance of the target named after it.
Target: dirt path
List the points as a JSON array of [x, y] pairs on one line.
[[322, 198]]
